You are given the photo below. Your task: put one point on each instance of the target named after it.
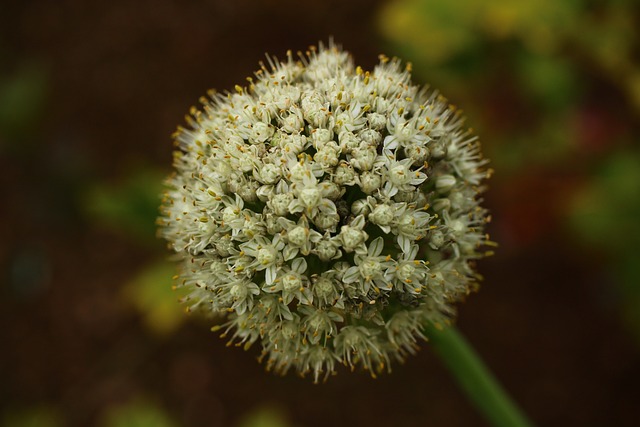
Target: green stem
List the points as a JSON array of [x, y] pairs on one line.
[[475, 379]]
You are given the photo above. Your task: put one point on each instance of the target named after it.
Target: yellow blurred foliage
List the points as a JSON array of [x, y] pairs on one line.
[[445, 28], [151, 293], [436, 32], [137, 413]]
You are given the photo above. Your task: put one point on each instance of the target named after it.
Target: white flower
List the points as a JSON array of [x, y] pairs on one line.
[[327, 221], [353, 236], [325, 287], [315, 108], [261, 132], [370, 182], [327, 211], [267, 255], [401, 177], [327, 248], [292, 283], [352, 119], [354, 342], [361, 207], [293, 122], [363, 157], [268, 173], [321, 137], [348, 141], [299, 236], [242, 292], [311, 196], [369, 269], [409, 274], [281, 200], [319, 324], [370, 137], [416, 152], [411, 226], [376, 121], [344, 174], [384, 214], [404, 132], [328, 156]]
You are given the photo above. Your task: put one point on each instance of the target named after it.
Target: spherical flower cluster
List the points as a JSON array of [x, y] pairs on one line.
[[328, 212]]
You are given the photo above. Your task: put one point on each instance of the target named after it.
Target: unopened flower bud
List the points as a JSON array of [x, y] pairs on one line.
[[382, 215], [360, 207], [445, 183], [370, 182]]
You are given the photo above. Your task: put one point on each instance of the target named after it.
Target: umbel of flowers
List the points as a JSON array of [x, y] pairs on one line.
[[328, 212]]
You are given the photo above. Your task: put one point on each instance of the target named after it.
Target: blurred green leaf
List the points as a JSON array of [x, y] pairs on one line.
[[437, 36], [610, 37], [151, 293], [633, 87], [442, 29], [606, 212], [37, 416], [605, 215], [137, 414], [548, 144], [130, 206], [22, 98], [266, 416], [550, 81]]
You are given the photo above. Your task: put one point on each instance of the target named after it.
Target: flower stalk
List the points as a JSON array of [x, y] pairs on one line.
[[474, 378]]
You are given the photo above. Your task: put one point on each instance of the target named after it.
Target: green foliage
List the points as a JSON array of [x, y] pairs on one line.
[[130, 206], [605, 215], [36, 416], [267, 416], [137, 414], [550, 82], [525, 66], [437, 31], [22, 99]]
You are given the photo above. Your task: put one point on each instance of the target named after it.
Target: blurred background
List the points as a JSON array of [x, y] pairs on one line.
[[90, 92]]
